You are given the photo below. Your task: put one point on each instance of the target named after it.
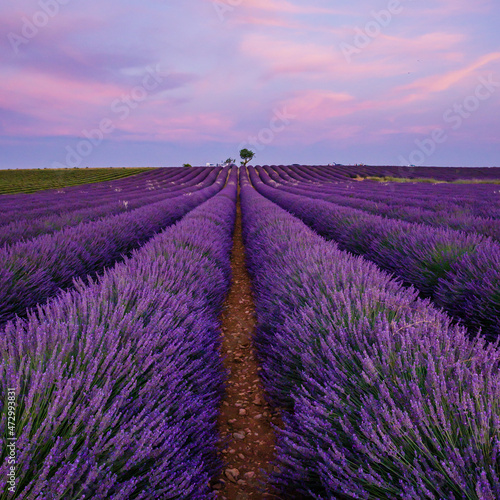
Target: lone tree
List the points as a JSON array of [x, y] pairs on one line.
[[246, 155], [187, 165]]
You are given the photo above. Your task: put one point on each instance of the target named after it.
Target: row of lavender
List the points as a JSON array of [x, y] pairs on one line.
[[446, 174], [449, 215], [382, 396], [33, 271], [442, 174], [64, 201], [118, 382], [402, 209], [31, 207], [321, 175], [87, 192], [25, 226], [460, 271], [439, 200], [79, 196], [479, 200]]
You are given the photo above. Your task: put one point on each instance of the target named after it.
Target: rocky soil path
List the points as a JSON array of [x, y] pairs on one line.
[[246, 419]]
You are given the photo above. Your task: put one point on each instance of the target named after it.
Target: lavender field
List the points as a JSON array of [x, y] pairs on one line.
[[376, 295]]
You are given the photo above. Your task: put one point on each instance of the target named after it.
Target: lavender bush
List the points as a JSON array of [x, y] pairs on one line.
[[382, 396], [118, 381]]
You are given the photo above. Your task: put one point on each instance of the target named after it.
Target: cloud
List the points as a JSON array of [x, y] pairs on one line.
[[449, 7], [59, 105], [388, 55], [283, 7], [423, 88]]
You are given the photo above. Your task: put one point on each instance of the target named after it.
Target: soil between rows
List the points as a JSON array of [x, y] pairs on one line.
[[245, 420]]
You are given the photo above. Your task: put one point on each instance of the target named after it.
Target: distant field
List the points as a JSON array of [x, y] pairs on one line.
[[394, 173], [29, 181], [429, 180], [469, 175]]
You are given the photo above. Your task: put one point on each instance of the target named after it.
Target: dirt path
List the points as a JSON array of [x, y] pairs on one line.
[[245, 418]]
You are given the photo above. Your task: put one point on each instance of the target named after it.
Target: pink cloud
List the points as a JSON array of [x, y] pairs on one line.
[[283, 7], [59, 106], [52, 100], [423, 46], [275, 13], [315, 105], [385, 56], [423, 88], [286, 56], [163, 125], [66, 105], [447, 7]]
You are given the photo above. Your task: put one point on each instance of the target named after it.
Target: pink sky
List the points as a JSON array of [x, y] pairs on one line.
[[113, 83]]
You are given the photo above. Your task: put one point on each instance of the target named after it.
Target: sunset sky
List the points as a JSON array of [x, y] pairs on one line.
[[161, 83]]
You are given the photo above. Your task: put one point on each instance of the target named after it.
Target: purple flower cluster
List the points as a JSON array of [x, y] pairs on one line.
[[33, 271], [120, 197], [119, 381], [382, 396], [460, 271]]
